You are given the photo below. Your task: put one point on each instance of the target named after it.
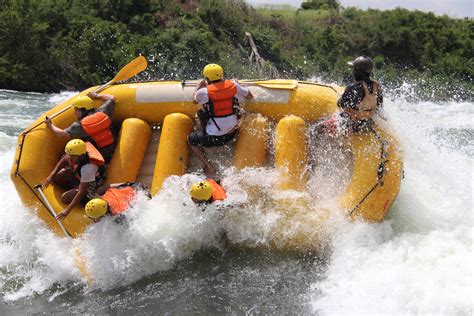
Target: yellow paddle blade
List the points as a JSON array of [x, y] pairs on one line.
[[81, 265], [286, 84], [131, 69]]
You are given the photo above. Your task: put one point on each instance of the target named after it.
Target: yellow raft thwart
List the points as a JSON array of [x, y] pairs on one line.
[[290, 104]]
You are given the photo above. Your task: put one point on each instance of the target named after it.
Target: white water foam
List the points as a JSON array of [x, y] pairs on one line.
[[420, 261], [170, 227]]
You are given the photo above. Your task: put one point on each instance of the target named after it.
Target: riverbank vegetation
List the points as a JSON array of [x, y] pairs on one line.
[[52, 45]]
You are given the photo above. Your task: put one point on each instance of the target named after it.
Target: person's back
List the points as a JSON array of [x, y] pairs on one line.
[[217, 121], [361, 100]]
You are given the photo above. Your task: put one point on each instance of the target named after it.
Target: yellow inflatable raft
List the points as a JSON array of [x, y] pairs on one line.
[[142, 107]]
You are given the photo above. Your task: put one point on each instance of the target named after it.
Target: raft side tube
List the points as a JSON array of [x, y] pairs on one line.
[[151, 101], [34, 165], [310, 102], [173, 151], [378, 204], [367, 197]]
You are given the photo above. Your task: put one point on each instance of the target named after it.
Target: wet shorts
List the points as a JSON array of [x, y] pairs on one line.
[[202, 139]]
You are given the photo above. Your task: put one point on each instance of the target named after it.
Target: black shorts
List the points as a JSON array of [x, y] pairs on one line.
[[202, 139], [107, 152]]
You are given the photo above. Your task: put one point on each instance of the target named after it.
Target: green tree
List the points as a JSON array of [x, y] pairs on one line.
[[320, 4], [50, 45]]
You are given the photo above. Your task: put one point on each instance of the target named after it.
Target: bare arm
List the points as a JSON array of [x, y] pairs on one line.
[[61, 163], [103, 97], [56, 130], [82, 191]]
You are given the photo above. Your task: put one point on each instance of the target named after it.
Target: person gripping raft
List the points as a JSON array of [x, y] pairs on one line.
[[93, 125], [359, 103], [207, 191], [115, 200], [217, 121], [87, 165]]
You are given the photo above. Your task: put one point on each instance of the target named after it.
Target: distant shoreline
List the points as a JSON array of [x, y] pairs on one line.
[[458, 12], [72, 46]]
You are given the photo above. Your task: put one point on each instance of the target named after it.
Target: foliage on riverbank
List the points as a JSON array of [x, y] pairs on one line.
[[52, 45]]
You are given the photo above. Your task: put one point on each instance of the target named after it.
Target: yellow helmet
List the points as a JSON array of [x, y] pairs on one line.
[[83, 102], [213, 72], [96, 208], [201, 191], [75, 147]]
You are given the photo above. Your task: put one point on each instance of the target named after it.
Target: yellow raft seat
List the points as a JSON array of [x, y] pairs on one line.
[[140, 106]]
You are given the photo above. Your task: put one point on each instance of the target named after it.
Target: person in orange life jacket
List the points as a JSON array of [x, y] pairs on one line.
[[115, 199], [361, 100], [206, 192], [87, 164], [93, 125], [217, 121]]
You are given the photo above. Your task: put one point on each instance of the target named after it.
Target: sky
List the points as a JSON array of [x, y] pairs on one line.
[[453, 8]]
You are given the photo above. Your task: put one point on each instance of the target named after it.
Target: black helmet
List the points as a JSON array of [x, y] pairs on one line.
[[362, 64]]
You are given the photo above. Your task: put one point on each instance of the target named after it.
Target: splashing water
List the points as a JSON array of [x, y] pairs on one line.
[[420, 260], [171, 256]]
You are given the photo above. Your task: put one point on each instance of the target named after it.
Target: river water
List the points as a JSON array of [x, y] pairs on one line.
[[171, 258]]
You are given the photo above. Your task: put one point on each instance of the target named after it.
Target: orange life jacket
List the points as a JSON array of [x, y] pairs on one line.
[[218, 192], [119, 199], [94, 157], [97, 126], [222, 98]]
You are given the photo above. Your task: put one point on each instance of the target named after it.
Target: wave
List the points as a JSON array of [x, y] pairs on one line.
[[418, 261]]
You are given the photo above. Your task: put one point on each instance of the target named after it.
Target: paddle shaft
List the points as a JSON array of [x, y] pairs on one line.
[[51, 211], [263, 83]]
